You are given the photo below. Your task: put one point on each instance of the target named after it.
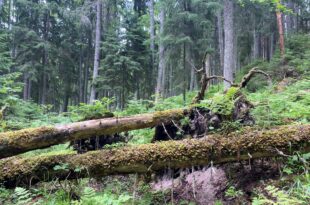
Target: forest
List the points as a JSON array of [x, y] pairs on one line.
[[154, 102]]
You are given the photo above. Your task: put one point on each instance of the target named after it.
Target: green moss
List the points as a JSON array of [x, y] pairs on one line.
[[222, 103], [148, 157], [22, 137], [175, 114]]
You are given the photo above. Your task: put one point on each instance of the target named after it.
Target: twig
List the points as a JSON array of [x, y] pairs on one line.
[[177, 126], [281, 153], [134, 189], [250, 157], [166, 131], [194, 182], [194, 67], [219, 77]]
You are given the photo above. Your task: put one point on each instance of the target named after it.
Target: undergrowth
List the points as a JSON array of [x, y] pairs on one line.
[[289, 105]]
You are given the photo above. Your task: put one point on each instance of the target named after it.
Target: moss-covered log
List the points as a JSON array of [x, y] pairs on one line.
[[235, 146], [16, 142]]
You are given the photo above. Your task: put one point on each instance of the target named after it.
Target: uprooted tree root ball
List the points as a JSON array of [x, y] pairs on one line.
[[200, 120]]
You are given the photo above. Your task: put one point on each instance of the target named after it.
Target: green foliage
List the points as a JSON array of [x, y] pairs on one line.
[[5, 58], [22, 196], [98, 109], [291, 105], [298, 53], [90, 198], [21, 114], [276, 197], [142, 136], [136, 107], [217, 202], [4, 194], [9, 89], [232, 192], [221, 103]]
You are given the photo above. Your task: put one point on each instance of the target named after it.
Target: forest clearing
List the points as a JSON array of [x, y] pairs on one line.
[[154, 102]]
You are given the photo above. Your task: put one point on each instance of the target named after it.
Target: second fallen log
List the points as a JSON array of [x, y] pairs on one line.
[[17, 142]]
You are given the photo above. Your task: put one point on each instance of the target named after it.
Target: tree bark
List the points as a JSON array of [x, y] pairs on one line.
[[161, 64], [281, 34], [16, 142], [152, 39], [80, 94], [45, 59], [193, 81], [246, 145], [26, 86], [220, 38], [97, 52], [228, 42], [1, 3], [256, 41]]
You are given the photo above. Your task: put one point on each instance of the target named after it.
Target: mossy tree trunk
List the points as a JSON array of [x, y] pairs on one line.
[[16, 142], [243, 145]]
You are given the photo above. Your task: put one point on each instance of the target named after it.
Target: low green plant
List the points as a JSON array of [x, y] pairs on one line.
[[232, 192], [275, 196], [291, 105], [22, 196], [97, 109]]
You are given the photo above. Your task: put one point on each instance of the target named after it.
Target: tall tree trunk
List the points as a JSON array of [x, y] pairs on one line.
[[80, 94], [10, 14], [184, 73], [281, 34], [220, 38], [289, 23], [271, 47], [45, 58], [161, 64], [26, 85], [256, 41], [1, 3], [152, 41], [170, 80], [29, 89], [229, 42], [193, 82], [97, 52]]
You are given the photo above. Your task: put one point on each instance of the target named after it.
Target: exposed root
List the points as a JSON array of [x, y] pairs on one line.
[[245, 80]]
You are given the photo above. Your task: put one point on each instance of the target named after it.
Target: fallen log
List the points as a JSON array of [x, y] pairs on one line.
[[17, 142], [243, 145]]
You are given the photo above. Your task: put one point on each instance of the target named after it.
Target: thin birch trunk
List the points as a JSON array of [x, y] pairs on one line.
[[161, 64], [97, 52], [220, 38]]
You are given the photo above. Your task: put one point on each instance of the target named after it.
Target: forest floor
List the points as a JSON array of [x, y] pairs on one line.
[[281, 180]]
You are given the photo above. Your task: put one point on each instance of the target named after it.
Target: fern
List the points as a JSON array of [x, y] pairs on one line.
[[279, 197], [22, 196]]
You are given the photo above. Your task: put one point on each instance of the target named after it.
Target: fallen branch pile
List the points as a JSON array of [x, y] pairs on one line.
[[242, 145]]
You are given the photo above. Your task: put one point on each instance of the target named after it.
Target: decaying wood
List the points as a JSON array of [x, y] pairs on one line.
[[243, 145], [205, 79], [16, 142], [245, 80]]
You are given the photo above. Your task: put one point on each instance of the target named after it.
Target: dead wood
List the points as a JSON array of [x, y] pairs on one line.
[[17, 142], [243, 145]]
